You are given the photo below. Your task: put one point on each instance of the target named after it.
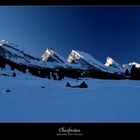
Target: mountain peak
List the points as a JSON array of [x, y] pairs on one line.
[[129, 66], [137, 65], [115, 66], [3, 42], [85, 60], [51, 56], [73, 55], [109, 61], [49, 52]]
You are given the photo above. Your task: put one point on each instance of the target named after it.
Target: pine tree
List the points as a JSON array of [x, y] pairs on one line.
[[60, 75], [54, 76], [133, 72]]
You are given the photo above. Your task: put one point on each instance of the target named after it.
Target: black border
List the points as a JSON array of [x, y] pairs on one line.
[[70, 2], [47, 130]]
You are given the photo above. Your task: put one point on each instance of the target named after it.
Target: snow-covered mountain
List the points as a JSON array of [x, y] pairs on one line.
[[11, 52], [85, 61], [52, 59], [77, 60], [129, 66], [51, 56], [114, 66]]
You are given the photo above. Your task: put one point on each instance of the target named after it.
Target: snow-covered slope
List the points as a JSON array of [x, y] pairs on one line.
[[12, 52], [102, 101], [86, 61], [52, 59], [114, 66], [7, 72]]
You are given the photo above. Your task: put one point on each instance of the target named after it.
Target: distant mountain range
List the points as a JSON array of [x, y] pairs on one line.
[[77, 60], [82, 60]]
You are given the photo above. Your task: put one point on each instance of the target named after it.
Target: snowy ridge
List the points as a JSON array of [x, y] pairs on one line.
[[51, 59], [129, 66], [137, 65], [13, 53], [84, 60], [51, 56], [113, 65]]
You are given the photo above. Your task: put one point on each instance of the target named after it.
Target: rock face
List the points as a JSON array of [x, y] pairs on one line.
[[51, 56], [68, 84], [82, 85]]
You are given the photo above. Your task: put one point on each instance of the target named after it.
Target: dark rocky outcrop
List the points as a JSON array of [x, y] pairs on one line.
[[82, 85]]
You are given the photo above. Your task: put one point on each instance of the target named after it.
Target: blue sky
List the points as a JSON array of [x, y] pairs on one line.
[[100, 31]]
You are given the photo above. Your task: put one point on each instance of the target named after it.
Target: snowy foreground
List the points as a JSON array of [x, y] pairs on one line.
[[41, 100]]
